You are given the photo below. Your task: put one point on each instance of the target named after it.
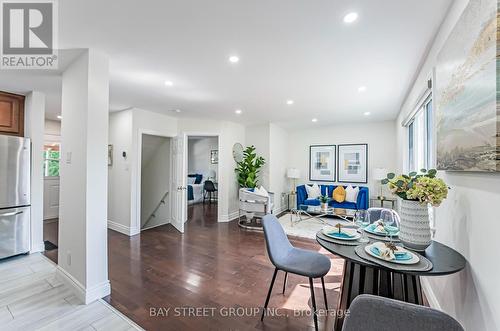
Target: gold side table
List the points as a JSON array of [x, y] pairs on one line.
[[376, 202]]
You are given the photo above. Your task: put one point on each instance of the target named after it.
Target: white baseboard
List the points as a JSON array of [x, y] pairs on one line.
[[122, 228], [156, 225], [37, 248], [229, 217], [85, 295], [429, 293]]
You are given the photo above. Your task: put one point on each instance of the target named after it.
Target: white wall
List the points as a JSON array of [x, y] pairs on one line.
[[82, 254], [155, 180], [119, 177], [34, 129], [278, 163], [466, 221], [229, 133], [52, 130], [199, 149], [126, 129], [380, 137], [271, 142], [258, 136]]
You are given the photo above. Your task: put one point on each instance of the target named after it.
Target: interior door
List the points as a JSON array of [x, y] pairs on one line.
[[50, 197], [179, 179]]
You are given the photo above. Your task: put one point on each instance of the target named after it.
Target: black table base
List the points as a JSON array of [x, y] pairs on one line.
[[360, 279]]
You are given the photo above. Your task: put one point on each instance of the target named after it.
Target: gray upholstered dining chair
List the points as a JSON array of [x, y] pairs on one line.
[[298, 261], [374, 313]]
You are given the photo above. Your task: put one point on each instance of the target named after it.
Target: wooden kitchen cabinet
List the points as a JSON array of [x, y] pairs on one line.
[[11, 114]]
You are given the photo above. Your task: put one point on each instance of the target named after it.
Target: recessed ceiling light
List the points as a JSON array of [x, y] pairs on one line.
[[59, 117], [362, 89], [234, 59], [367, 113], [178, 110], [351, 17], [238, 111], [168, 83], [314, 120], [289, 102]]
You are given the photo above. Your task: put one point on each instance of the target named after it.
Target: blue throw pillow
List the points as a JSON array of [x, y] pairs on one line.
[[198, 179]]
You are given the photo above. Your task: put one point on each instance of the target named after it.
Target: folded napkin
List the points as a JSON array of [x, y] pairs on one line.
[[344, 233], [388, 254], [380, 228]]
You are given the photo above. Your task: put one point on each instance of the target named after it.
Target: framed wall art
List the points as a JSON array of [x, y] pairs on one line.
[[322, 163], [352, 163]]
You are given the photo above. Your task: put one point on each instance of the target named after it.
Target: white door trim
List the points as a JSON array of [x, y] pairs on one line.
[[136, 222], [220, 184]]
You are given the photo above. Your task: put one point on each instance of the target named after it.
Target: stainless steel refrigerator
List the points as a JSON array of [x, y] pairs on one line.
[[15, 160]]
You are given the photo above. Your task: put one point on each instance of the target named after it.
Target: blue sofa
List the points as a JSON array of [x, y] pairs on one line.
[[361, 202]]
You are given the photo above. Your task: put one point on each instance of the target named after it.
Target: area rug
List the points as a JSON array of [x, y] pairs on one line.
[[305, 228]]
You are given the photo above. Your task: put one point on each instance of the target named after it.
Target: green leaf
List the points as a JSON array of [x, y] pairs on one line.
[[385, 181], [399, 183], [412, 174], [391, 175], [432, 173], [423, 170]]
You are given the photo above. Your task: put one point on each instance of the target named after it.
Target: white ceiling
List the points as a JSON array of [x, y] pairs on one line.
[[288, 49]]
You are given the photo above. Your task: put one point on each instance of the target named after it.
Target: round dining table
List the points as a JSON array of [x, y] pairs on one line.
[[361, 276]]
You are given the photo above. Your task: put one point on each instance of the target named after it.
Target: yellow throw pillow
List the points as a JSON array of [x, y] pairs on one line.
[[339, 194]]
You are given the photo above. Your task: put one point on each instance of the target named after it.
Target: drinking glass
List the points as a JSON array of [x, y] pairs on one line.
[[387, 217], [362, 219]]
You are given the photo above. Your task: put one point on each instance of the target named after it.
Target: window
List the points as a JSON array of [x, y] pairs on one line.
[[51, 158], [420, 137]]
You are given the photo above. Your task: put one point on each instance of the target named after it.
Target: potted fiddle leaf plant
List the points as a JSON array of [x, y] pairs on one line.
[[323, 199], [249, 167], [416, 190]]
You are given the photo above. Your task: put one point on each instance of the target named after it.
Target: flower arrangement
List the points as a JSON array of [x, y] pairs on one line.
[[424, 187]]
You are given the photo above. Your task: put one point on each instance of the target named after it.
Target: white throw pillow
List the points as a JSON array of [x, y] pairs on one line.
[[351, 194], [191, 180], [313, 192], [261, 191]]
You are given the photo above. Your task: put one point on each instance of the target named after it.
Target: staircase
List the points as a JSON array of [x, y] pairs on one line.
[[153, 214]]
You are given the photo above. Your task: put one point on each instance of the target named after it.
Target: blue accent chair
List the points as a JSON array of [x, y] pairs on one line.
[[298, 261], [362, 202]]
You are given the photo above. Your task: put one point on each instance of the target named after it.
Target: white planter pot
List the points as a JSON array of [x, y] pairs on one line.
[[415, 231], [324, 206]]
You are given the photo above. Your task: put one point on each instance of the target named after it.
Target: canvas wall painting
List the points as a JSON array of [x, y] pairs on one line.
[[214, 156], [110, 155], [352, 163], [467, 120], [322, 163]]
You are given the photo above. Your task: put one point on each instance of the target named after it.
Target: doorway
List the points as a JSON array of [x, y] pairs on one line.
[[51, 161], [202, 175], [156, 181]]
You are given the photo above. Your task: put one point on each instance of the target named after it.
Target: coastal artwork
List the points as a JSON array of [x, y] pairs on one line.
[[467, 118]]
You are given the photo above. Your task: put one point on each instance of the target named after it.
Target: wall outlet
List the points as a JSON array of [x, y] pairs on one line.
[[68, 258]]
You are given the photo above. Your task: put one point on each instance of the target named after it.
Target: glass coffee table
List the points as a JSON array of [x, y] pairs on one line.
[[305, 212]]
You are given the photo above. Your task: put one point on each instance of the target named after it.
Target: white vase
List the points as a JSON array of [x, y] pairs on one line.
[[415, 230], [324, 206]]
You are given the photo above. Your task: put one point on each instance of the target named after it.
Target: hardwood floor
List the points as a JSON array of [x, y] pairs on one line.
[[32, 298], [212, 265]]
